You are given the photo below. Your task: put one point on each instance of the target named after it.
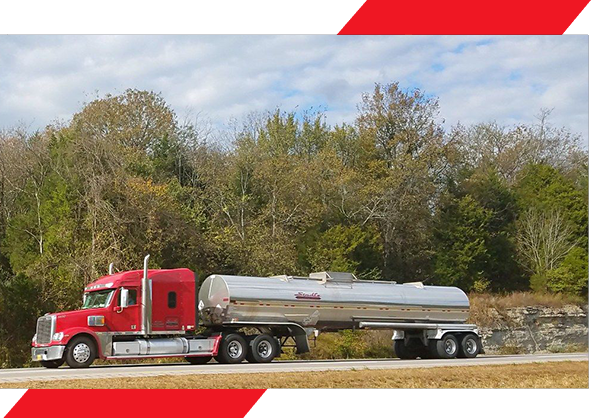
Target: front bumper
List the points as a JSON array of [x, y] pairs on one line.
[[54, 352]]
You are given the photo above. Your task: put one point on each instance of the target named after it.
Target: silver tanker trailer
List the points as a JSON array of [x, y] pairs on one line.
[[158, 313], [427, 321]]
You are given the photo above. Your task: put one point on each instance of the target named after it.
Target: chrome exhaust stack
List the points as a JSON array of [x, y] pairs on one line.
[[146, 300], [111, 268]]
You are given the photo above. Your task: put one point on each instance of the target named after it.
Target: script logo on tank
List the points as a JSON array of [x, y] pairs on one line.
[[303, 295]]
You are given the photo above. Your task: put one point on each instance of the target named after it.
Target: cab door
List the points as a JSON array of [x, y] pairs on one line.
[[167, 307], [126, 319]]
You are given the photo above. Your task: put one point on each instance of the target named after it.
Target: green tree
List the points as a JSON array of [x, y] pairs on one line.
[[572, 276], [493, 193], [543, 187], [553, 222], [461, 237], [403, 179], [346, 248]]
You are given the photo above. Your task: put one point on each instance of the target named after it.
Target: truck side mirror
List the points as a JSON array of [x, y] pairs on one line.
[[124, 297]]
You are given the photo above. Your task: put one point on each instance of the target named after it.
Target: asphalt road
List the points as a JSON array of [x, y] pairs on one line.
[[177, 369]]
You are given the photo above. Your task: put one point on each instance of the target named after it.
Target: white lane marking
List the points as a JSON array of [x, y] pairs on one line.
[[101, 372]]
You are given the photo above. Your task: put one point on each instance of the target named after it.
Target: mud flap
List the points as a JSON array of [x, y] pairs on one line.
[[301, 339]]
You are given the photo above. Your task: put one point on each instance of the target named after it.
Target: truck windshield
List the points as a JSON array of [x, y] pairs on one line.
[[98, 299]]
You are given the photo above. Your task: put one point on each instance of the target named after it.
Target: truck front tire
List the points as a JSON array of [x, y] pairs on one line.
[[80, 352], [233, 349]]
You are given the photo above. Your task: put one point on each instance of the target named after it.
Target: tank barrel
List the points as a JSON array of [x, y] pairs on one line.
[[327, 300]]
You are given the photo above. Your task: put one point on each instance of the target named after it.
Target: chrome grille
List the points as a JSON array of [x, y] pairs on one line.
[[44, 329]]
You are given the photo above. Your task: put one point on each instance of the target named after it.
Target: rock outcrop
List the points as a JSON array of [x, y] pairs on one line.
[[536, 329]]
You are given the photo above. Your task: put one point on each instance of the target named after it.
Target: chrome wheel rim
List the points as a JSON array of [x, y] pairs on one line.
[[265, 349], [450, 346], [471, 346], [234, 349], [81, 352]]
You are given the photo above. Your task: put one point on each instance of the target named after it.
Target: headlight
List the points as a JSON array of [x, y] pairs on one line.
[[58, 336], [96, 321]]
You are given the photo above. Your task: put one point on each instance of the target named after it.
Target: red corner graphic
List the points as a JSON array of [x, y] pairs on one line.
[[464, 17]]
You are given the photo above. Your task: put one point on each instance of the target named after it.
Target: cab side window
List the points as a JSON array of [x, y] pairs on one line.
[[172, 300], [131, 297]]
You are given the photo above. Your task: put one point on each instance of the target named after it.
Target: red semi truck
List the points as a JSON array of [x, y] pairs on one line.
[[157, 313]]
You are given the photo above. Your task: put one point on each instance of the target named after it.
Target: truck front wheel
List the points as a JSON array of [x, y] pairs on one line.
[[52, 364], [80, 352], [232, 349]]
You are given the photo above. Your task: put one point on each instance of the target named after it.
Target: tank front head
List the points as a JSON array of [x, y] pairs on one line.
[[214, 298]]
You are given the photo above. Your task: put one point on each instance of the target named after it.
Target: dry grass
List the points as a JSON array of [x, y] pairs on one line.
[[482, 305], [537, 375], [520, 299]]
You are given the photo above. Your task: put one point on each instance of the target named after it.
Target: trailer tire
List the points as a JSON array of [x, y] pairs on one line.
[[445, 348], [80, 352], [403, 351], [470, 346], [233, 349], [262, 349], [426, 353], [198, 360], [52, 364]]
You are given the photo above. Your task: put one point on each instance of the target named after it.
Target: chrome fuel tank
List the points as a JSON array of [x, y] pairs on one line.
[[326, 301]]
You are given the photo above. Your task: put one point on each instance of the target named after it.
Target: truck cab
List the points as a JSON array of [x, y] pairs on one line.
[[117, 312]]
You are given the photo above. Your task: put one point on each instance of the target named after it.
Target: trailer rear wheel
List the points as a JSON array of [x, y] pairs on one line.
[[470, 346], [262, 349], [199, 360], [233, 349], [52, 364], [446, 347]]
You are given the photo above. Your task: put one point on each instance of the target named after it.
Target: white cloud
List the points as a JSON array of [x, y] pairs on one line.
[[477, 79]]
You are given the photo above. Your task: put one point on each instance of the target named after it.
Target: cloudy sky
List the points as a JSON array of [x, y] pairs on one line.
[[485, 78]]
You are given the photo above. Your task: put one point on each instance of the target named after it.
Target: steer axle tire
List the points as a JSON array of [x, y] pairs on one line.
[[80, 352]]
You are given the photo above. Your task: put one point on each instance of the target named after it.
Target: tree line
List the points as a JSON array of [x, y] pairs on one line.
[[392, 195]]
